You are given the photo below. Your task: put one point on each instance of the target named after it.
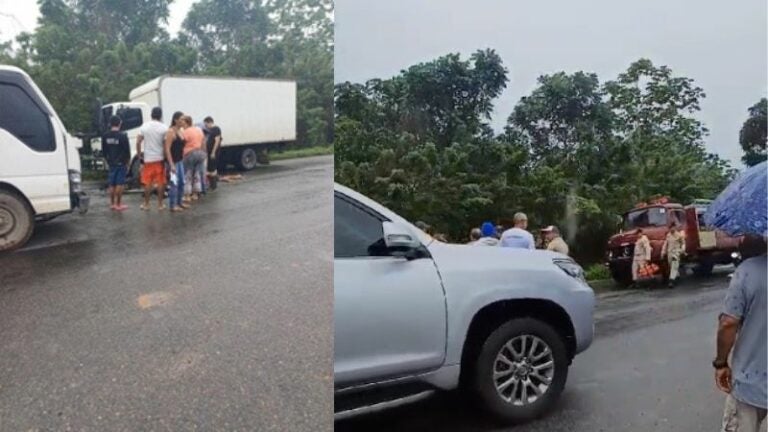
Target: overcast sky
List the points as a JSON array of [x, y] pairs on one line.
[[721, 45]]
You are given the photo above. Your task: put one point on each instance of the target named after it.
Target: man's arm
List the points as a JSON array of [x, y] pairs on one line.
[[664, 247], [730, 319], [216, 142], [167, 148]]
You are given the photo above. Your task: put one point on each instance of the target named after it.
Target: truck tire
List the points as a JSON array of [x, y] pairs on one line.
[[247, 159], [703, 269], [263, 157], [17, 221], [521, 370], [622, 277]]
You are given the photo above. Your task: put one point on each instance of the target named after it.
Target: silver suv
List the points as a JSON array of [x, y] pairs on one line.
[[414, 316]]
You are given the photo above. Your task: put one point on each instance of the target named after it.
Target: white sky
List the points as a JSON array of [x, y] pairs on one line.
[[720, 44], [17, 16]]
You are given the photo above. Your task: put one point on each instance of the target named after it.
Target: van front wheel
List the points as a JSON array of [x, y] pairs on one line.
[[16, 221]]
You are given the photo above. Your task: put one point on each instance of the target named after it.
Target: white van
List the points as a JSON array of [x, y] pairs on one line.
[[39, 160]]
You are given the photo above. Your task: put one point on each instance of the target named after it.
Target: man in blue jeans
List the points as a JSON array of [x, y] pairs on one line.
[[117, 152]]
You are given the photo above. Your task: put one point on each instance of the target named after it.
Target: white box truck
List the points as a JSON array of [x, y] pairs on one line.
[[39, 160], [255, 115]]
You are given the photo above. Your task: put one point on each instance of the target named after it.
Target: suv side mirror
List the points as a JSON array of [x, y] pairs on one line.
[[399, 240]]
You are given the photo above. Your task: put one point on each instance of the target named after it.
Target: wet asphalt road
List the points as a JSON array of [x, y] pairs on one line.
[[649, 369], [219, 318]]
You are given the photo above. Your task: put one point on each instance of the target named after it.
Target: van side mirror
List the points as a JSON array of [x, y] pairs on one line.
[[399, 240]]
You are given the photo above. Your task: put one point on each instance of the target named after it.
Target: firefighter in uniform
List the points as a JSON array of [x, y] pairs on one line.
[[642, 254], [673, 249]]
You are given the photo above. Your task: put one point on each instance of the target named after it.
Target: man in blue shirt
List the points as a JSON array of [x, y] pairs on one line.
[[518, 237], [744, 315]]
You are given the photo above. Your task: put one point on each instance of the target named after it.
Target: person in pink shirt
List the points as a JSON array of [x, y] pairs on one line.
[[194, 157]]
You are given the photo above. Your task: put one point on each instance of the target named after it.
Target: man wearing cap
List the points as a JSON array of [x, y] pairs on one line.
[[517, 236], [487, 235], [555, 243]]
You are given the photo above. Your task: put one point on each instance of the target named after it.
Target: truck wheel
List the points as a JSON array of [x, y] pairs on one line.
[[622, 277], [263, 157], [703, 269], [16, 221], [521, 370], [247, 160]]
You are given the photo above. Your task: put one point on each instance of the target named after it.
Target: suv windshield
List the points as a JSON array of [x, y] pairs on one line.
[[653, 216]]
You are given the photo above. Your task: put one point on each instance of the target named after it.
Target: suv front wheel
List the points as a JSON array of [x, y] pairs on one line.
[[521, 370]]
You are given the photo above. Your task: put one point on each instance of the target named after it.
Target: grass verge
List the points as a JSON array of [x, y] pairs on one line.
[[301, 153]]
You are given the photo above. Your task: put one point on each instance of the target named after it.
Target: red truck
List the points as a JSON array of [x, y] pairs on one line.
[[704, 247]]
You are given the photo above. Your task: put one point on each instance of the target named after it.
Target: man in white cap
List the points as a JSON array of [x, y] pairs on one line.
[[518, 237], [555, 243]]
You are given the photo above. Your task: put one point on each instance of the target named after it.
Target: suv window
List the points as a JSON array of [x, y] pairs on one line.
[[22, 118], [358, 231]]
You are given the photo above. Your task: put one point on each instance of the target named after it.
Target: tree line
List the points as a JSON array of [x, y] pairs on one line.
[[575, 152], [86, 51]]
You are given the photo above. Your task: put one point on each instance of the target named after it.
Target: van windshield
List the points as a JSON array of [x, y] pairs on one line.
[[647, 217], [131, 117]]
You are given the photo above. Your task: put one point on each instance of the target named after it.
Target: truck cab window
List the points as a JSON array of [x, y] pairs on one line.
[[131, 118], [647, 217], [21, 117], [357, 233]]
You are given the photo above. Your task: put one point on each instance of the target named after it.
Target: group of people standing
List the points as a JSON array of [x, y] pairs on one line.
[[672, 250], [183, 156], [518, 236]]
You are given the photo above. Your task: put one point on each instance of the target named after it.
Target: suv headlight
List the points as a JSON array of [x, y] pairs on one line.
[[75, 181], [571, 269]]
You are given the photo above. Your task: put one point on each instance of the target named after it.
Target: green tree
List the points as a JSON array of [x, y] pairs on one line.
[[752, 136], [574, 153], [274, 38]]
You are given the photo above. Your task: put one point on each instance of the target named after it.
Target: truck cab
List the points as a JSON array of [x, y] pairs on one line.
[[704, 247], [40, 174]]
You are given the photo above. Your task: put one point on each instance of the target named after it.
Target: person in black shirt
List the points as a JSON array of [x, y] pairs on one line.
[[117, 152], [213, 147]]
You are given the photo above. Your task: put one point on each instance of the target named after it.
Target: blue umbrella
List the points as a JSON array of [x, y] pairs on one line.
[[741, 207]]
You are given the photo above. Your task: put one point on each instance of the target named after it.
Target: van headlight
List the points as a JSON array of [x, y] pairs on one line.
[[571, 269], [75, 181]]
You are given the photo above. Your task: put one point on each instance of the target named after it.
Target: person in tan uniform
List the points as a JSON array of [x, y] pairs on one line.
[[642, 253], [673, 249], [555, 243]]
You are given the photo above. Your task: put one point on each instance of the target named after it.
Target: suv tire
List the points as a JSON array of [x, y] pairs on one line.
[[542, 337]]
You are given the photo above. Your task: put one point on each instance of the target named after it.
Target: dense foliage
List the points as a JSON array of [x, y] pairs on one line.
[[83, 51], [753, 134], [575, 152]]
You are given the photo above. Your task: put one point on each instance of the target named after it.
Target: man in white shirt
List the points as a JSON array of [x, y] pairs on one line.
[[152, 135], [518, 237]]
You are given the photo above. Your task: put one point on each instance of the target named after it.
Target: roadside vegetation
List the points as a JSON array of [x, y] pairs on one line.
[[85, 53], [576, 152]]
